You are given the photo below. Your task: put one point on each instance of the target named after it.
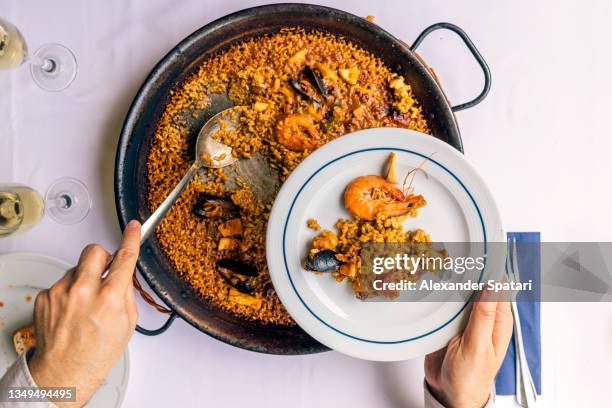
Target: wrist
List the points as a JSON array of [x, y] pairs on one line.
[[438, 394], [37, 370], [452, 400], [44, 376]]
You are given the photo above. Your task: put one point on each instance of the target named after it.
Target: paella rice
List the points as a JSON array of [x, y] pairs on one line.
[[293, 91]]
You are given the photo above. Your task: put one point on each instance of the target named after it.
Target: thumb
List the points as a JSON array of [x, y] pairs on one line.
[[479, 330]]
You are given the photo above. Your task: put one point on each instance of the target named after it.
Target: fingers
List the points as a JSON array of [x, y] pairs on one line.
[[124, 263], [502, 332], [490, 324], [479, 330], [66, 280], [91, 264]]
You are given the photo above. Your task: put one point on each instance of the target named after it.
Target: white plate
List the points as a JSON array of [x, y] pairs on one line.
[[22, 276], [460, 209]]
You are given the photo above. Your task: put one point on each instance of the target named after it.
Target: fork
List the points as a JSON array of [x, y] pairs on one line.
[[526, 394]]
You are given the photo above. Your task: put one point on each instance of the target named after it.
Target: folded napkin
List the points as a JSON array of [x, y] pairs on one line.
[[529, 268]]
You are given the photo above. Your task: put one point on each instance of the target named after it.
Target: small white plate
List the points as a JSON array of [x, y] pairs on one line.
[[460, 209], [22, 276]]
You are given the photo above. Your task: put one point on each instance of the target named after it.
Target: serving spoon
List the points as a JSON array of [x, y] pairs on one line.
[[254, 172], [208, 153]]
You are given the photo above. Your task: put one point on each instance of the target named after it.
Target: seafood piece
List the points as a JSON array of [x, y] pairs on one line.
[[238, 274], [231, 227], [317, 80], [228, 244], [369, 196], [305, 90], [298, 58], [297, 132], [244, 286], [328, 74], [244, 299], [322, 261], [310, 85], [215, 207], [237, 266], [350, 75]]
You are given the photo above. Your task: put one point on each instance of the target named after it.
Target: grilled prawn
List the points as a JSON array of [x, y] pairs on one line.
[[369, 196]]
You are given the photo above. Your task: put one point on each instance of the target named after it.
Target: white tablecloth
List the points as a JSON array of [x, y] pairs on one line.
[[541, 140]]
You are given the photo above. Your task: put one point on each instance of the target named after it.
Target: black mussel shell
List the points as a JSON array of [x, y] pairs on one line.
[[239, 267], [317, 80], [238, 274], [297, 86], [323, 261], [314, 84], [212, 206], [245, 286]]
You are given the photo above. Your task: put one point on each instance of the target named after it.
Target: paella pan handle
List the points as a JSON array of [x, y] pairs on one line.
[[155, 332], [472, 48], [148, 299]]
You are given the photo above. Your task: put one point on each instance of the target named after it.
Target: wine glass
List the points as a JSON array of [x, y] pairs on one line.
[[67, 202], [53, 66]]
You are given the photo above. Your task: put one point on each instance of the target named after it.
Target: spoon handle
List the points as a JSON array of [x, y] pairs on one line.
[[153, 221]]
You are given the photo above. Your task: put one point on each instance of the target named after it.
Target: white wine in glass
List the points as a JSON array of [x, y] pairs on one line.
[[53, 66], [67, 202], [12, 46], [20, 208]]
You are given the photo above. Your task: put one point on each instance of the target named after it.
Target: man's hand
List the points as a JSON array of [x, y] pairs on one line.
[[83, 322], [462, 374]]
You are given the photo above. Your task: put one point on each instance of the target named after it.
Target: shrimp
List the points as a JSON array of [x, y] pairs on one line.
[[369, 196], [297, 132]]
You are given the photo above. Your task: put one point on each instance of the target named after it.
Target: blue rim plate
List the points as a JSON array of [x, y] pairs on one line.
[[460, 209]]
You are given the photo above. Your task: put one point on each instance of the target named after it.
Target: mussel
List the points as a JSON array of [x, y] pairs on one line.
[[238, 274], [317, 80], [212, 206], [309, 84], [323, 261]]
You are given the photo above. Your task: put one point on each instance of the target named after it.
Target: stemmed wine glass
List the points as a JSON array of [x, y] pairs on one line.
[[53, 66], [67, 202]]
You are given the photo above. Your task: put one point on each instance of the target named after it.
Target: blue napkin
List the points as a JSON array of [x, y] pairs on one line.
[[529, 267]]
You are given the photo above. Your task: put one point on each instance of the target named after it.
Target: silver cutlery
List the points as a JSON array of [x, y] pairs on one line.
[[526, 394]]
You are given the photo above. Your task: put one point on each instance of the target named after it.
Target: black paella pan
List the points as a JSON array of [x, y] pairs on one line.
[[178, 65]]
